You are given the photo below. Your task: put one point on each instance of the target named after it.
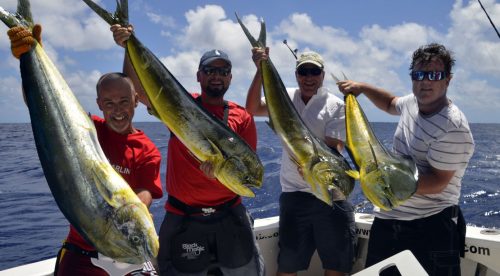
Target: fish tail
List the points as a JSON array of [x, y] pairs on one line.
[[335, 78], [21, 18], [262, 36], [24, 10], [119, 17]]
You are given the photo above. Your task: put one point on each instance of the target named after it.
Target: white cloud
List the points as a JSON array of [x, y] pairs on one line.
[[480, 51], [166, 21], [68, 24], [376, 54], [83, 86]]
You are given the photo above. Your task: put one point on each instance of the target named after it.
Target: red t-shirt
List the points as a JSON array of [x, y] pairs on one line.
[[134, 157], [185, 181]]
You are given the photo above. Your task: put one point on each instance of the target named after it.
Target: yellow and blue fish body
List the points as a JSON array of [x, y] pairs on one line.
[[94, 198], [387, 180], [325, 170], [237, 166]]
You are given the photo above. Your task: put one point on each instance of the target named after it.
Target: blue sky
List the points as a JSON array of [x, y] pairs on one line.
[[370, 41]]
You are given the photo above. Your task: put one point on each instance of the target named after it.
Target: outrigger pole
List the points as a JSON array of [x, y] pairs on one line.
[[294, 52], [492, 24]]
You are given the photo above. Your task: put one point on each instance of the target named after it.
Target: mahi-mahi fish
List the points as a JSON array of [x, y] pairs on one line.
[[386, 179], [324, 169], [93, 197], [236, 165]]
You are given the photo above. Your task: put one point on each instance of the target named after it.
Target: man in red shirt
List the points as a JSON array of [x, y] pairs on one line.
[[206, 225], [128, 149]]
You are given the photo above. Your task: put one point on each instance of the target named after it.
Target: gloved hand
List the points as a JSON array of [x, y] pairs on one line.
[[22, 40]]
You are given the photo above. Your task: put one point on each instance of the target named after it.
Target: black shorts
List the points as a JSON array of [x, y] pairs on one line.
[[308, 224], [191, 245], [436, 241]]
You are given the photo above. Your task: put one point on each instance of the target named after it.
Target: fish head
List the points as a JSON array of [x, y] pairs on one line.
[[140, 241], [390, 184], [240, 172], [331, 183]]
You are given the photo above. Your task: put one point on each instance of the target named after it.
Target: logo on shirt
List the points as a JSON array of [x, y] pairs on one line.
[[192, 250], [121, 170]]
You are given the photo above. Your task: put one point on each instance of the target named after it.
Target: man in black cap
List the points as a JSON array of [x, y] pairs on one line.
[[206, 225]]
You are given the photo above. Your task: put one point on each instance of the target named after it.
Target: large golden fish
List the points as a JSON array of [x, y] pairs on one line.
[[325, 170], [387, 180], [237, 166], [94, 198]]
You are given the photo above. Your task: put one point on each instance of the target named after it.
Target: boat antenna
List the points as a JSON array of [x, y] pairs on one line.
[[492, 24], [294, 52]]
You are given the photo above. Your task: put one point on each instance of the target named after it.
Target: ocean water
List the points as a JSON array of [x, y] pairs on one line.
[[32, 228]]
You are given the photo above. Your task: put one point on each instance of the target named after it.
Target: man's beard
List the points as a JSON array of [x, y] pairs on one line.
[[215, 92]]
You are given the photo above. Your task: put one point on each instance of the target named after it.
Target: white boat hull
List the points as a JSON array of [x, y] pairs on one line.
[[482, 248], [482, 255]]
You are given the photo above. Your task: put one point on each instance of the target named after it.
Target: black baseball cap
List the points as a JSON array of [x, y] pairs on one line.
[[212, 55]]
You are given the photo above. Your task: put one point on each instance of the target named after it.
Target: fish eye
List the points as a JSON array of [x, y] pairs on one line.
[[135, 239]]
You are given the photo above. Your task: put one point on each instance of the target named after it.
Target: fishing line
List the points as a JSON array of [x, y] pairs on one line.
[[492, 24]]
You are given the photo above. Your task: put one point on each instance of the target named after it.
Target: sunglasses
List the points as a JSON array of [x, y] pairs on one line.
[[431, 75], [313, 71], [210, 71]]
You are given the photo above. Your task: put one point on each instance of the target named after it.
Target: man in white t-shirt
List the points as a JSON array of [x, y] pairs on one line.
[[436, 135], [307, 223]]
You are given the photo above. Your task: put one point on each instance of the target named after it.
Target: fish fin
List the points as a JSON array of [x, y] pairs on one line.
[[24, 10], [373, 153], [100, 174], [271, 126], [122, 11], [253, 41], [17, 19], [337, 80], [353, 173], [345, 77], [194, 156], [295, 161], [262, 34], [350, 153], [217, 153], [119, 17]]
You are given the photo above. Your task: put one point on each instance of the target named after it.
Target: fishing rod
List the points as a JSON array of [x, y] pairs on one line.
[[294, 52], [492, 24]]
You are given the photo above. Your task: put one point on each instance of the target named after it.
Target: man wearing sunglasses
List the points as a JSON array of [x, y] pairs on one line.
[[205, 221], [306, 223], [436, 135]]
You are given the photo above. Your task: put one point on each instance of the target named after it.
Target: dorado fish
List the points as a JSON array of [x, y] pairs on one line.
[[93, 197], [326, 171], [387, 180], [236, 165]]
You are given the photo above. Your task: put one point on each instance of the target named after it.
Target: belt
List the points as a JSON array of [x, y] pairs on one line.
[[204, 211], [77, 249], [451, 211]]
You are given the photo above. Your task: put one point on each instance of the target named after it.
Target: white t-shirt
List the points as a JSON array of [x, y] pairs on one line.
[[324, 115], [443, 141]]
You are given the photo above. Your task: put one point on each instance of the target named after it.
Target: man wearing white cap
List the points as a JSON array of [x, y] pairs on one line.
[[306, 223]]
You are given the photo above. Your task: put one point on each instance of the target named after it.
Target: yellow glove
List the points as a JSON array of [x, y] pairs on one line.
[[22, 40]]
